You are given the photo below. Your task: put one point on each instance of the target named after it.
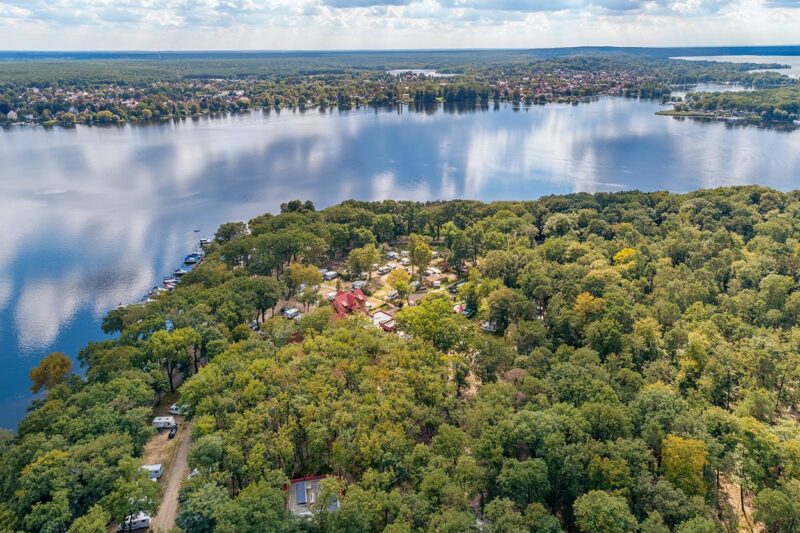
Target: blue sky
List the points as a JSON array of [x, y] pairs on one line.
[[373, 24]]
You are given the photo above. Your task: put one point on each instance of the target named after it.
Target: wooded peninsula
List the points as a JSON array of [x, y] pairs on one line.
[[592, 363]]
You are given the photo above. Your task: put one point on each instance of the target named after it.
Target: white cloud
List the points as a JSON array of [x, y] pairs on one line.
[[342, 24]]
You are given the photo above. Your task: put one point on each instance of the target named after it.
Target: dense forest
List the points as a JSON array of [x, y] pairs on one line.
[[781, 104], [640, 371], [112, 91]]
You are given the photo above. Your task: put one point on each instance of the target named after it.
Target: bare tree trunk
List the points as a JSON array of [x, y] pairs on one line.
[[741, 500]]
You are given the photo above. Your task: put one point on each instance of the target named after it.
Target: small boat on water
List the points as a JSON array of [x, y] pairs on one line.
[[179, 272], [204, 242]]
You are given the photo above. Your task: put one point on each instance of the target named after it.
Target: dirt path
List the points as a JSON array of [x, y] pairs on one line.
[[746, 525], [174, 455]]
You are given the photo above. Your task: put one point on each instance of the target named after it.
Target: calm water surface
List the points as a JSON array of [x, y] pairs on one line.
[[93, 217]]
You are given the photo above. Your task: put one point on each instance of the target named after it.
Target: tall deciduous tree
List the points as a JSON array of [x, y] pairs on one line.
[[50, 371]]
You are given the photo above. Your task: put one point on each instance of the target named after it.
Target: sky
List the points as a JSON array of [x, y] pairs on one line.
[[390, 24]]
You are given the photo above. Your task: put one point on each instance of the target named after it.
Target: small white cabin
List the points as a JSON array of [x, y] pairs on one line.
[[163, 422]]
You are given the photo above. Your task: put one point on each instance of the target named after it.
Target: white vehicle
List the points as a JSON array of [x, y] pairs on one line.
[[176, 409], [392, 255], [385, 269], [331, 295], [163, 422], [488, 326], [140, 521], [291, 313], [330, 275], [154, 471], [359, 284], [405, 261]]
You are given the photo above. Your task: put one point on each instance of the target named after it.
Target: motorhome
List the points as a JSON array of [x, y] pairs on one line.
[[163, 422]]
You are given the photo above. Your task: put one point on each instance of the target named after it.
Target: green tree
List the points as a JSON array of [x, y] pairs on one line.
[[200, 509], [601, 512], [524, 482], [361, 260], [95, 521], [132, 494], [683, 462], [419, 253]]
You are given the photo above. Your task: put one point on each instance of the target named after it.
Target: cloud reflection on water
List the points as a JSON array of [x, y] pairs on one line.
[[95, 216]]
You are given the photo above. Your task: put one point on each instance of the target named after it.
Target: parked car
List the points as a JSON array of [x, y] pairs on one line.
[[359, 284], [176, 409], [331, 295], [454, 288], [392, 255], [290, 313], [385, 269], [330, 275], [172, 432], [394, 295]]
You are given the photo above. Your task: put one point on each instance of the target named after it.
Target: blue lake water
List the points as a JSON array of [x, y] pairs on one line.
[[92, 217]]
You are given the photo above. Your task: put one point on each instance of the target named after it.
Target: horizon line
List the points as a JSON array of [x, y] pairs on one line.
[[346, 50]]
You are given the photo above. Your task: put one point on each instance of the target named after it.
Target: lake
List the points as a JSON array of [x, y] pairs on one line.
[[93, 217]]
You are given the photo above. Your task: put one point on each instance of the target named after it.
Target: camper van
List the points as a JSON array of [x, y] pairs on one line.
[[163, 422], [140, 521], [154, 471]]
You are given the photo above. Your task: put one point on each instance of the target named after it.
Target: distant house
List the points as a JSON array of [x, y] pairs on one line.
[[346, 303], [302, 495], [12, 116]]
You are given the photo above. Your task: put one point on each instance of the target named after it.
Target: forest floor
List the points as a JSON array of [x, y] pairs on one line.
[[746, 523]]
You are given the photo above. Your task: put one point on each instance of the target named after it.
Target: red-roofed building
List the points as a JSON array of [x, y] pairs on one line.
[[346, 303]]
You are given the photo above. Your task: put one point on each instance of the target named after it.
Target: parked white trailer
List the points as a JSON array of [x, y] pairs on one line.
[[154, 471], [163, 422], [140, 521]]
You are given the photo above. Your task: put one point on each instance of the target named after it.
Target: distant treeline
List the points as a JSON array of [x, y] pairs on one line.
[[113, 90]]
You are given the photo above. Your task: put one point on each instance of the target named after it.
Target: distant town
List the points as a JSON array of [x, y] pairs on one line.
[[115, 92]]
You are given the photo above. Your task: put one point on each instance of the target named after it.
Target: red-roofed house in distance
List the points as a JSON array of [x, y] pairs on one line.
[[346, 303]]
